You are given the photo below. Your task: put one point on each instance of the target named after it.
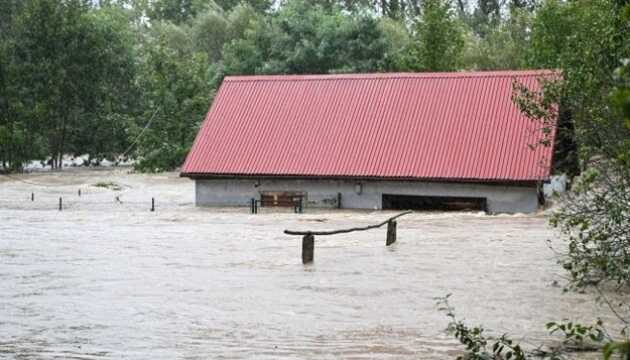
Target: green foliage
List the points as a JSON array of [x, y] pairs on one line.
[[82, 78], [588, 41], [182, 12], [111, 101], [176, 11], [97, 82], [62, 64], [439, 38], [578, 335], [162, 157], [620, 348], [178, 90], [13, 140], [212, 29], [503, 46], [478, 345], [239, 20], [620, 100], [302, 38], [595, 221], [399, 55], [257, 5]]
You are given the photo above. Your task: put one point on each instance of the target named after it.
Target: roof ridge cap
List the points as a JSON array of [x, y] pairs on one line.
[[387, 76]]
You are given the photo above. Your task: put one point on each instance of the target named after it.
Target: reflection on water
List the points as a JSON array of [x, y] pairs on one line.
[[109, 279]]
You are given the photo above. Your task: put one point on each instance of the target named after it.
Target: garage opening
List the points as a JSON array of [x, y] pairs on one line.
[[435, 203]]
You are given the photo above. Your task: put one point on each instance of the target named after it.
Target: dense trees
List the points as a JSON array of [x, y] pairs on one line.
[[589, 42], [302, 38], [67, 78], [177, 86], [439, 38], [81, 76]]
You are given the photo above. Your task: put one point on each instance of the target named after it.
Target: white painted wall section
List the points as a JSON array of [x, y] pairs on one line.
[[323, 193]]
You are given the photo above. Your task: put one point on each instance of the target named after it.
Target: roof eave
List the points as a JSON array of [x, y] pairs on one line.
[[215, 176]]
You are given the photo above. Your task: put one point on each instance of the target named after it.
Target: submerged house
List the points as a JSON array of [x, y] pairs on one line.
[[372, 141]]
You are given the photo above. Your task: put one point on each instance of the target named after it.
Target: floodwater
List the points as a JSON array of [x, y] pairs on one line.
[[108, 279]]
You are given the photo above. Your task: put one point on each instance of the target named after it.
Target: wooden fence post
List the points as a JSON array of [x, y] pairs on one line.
[[308, 239], [391, 233], [308, 248]]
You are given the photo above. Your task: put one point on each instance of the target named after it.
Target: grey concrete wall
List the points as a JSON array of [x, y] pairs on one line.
[[323, 193]]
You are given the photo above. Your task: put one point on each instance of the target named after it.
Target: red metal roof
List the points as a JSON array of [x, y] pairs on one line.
[[432, 126]]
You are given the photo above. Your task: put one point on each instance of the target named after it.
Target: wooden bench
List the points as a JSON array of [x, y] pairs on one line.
[[279, 199]]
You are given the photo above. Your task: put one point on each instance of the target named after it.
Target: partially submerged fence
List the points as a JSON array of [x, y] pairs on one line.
[[65, 200], [308, 237]]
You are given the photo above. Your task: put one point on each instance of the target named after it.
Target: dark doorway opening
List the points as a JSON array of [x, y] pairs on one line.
[[438, 203]]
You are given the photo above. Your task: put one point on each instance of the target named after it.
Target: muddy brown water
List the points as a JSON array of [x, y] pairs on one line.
[[108, 279]]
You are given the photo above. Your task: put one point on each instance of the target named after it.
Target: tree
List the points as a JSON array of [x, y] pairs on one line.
[[14, 149], [212, 29], [71, 66], [258, 5], [588, 41], [46, 56], [503, 46], [175, 11], [399, 45], [487, 15], [178, 90], [113, 97], [439, 38], [303, 38], [240, 18]]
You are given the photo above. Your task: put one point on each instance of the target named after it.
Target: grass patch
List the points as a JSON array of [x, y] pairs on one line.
[[108, 185]]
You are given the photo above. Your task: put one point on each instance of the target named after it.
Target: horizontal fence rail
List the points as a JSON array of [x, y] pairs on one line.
[[86, 199], [333, 232], [82, 198], [308, 239]]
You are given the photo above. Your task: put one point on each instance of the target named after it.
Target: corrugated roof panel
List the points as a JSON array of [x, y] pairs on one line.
[[437, 126]]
